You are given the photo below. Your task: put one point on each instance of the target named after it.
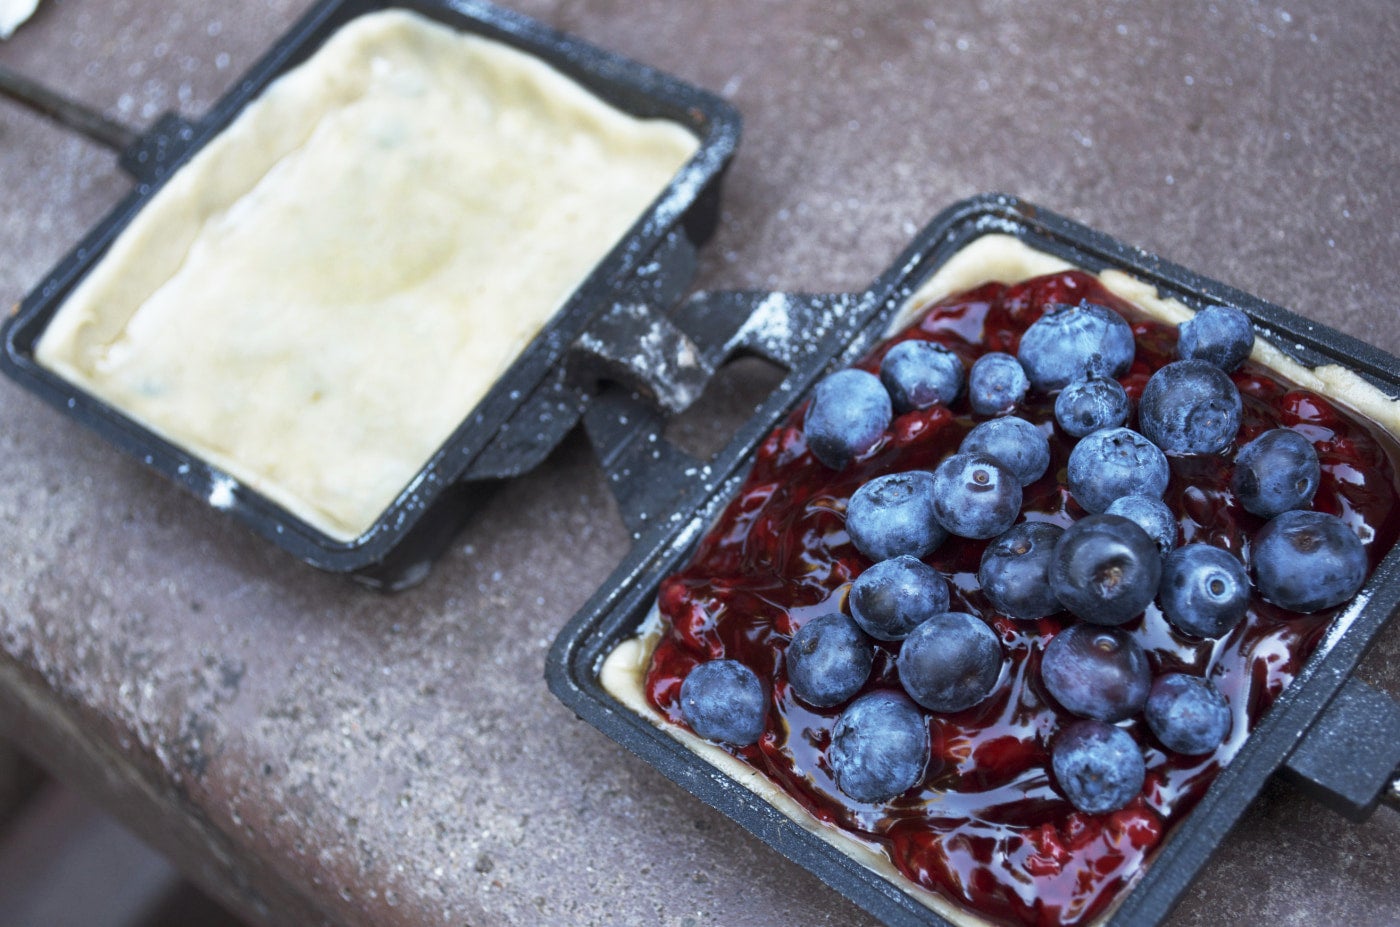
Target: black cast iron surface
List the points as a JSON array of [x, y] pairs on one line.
[[318, 753]]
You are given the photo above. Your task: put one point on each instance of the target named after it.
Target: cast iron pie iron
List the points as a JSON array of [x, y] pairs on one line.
[[672, 502], [533, 404]]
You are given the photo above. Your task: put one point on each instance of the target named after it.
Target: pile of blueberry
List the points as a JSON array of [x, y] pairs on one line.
[[1105, 569]]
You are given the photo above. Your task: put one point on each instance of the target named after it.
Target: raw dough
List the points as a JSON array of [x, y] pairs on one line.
[[319, 298]]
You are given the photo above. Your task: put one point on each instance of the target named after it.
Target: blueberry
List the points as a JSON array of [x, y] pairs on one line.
[[921, 373], [723, 700], [1099, 767], [1099, 673], [1276, 472], [1068, 343], [828, 660], [1190, 407], [1113, 463], [1151, 515], [950, 662], [1015, 571], [1187, 714], [1020, 446], [893, 515], [894, 597], [974, 496], [1105, 569], [849, 413], [1204, 591], [1218, 335], [995, 384], [1306, 561], [879, 747], [1088, 405]]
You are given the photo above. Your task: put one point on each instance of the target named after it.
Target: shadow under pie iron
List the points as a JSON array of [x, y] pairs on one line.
[[761, 550]]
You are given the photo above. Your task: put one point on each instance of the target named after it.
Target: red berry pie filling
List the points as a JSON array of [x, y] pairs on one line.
[[997, 820]]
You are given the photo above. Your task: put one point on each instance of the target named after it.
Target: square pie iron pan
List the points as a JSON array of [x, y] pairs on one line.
[[669, 500], [537, 401]]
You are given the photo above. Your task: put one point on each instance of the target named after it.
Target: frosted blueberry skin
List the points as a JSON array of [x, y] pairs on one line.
[[974, 496], [995, 384], [892, 515], [1306, 561], [1204, 590], [1015, 571], [849, 413], [1276, 472], [1151, 515], [895, 596], [879, 747], [950, 662], [828, 660], [1219, 335], [1112, 463], [1069, 343], [1105, 569], [1099, 673], [724, 700], [1190, 407], [918, 374], [1099, 767], [1017, 444], [1187, 714], [1087, 405]]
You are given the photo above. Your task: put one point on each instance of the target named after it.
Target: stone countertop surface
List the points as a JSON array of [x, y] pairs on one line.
[[316, 752]]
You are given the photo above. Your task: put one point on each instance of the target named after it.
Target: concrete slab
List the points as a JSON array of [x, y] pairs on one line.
[[316, 753]]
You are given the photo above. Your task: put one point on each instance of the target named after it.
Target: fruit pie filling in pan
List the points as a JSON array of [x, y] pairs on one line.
[[994, 606]]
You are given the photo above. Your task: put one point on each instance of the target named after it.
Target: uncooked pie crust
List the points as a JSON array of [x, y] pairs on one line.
[[317, 300], [990, 258]]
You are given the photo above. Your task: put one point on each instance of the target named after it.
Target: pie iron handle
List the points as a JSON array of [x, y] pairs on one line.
[[147, 156], [1349, 759]]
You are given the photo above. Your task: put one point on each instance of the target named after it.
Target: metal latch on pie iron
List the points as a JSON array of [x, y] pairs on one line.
[[669, 359], [639, 366]]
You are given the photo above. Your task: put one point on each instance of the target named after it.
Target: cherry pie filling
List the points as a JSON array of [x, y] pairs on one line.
[[987, 827]]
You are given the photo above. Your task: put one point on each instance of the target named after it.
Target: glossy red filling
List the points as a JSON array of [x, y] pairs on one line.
[[987, 828]]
